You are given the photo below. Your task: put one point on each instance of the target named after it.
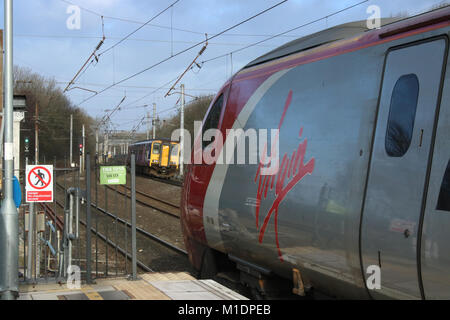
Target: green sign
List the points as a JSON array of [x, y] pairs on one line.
[[113, 175]]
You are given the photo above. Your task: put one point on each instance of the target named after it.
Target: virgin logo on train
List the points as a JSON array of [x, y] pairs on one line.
[[292, 170]]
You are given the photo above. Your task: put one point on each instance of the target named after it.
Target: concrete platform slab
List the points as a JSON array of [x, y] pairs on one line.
[[150, 286]]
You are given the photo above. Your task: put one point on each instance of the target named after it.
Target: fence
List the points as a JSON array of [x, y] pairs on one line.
[[85, 232]]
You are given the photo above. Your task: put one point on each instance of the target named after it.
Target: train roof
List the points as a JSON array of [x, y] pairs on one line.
[[151, 140], [336, 33]]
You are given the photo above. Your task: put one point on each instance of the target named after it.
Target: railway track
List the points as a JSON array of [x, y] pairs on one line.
[[167, 181], [141, 231], [170, 209], [52, 214], [53, 217], [177, 183]]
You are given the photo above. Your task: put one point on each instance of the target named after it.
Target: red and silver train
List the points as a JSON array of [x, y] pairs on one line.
[[360, 205]]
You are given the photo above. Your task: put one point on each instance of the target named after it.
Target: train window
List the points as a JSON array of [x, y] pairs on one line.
[[402, 115], [156, 148], [212, 121], [444, 195], [174, 151]]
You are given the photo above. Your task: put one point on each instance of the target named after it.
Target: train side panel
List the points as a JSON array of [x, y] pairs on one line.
[[329, 112], [309, 215]]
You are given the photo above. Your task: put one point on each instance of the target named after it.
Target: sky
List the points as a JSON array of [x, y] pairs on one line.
[[44, 43]]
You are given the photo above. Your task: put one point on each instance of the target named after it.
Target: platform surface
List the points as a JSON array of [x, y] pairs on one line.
[[149, 286]]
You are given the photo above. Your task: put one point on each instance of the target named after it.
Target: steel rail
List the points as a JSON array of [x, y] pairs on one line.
[[53, 216], [143, 232], [145, 203], [172, 182], [111, 243], [140, 230], [154, 198]]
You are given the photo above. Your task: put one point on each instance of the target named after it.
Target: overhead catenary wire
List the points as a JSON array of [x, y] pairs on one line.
[[84, 68], [108, 116], [84, 65], [134, 87], [136, 127], [133, 32], [284, 32], [53, 36], [183, 51], [189, 67], [161, 26], [81, 74], [141, 120], [151, 93]]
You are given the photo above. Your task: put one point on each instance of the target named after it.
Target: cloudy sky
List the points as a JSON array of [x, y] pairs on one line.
[[44, 43]]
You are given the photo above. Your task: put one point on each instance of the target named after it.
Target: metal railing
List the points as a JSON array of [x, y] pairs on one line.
[[74, 234]]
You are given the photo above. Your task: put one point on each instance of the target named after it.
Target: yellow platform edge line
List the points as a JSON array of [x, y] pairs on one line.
[[91, 293]]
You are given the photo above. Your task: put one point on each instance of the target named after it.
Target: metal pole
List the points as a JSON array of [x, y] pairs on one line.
[[36, 135], [37, 244], [69, 232], [83, 134], [88, 220], [148, 125], [9, 219], [96, 143], [154, 121], [96, 216], [71, 140], [106, 142], [116, 222], [106, 231], [182, 131], [30, 239], [33, 212], [25, 252], [133, 216]]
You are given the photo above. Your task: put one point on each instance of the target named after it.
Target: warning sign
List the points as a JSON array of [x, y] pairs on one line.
[[39, 185]]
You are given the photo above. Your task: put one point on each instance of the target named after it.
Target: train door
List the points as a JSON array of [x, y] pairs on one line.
[[148, 151], [399, 167], [156, 151], [435, 242], [165, 153]]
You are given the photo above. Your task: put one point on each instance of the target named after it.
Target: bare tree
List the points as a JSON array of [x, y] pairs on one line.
[[54, 114]]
